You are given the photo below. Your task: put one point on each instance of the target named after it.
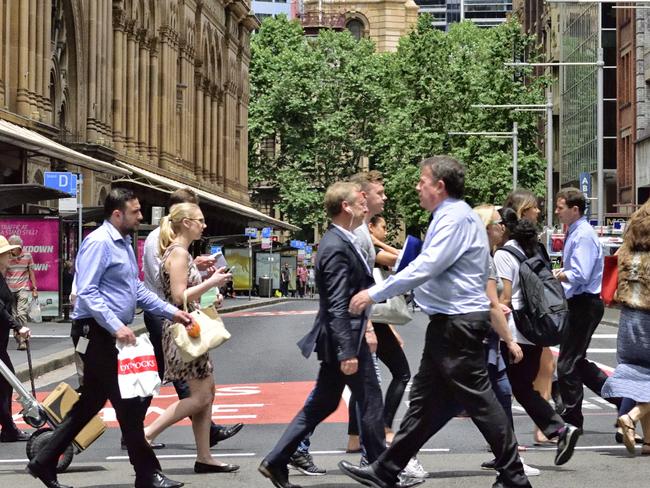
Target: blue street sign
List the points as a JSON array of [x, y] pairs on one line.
[[293, 244], [308, 249], [215, 249], [62, 181], [301, 244], [585, 187], [251, 232], [266, 232]]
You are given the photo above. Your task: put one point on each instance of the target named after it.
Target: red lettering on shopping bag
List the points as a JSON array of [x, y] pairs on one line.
[[140, 364]]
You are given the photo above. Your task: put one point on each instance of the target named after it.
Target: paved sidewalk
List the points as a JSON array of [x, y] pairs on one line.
[[51, 346]]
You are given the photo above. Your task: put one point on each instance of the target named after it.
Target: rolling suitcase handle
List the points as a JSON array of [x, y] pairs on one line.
[[29, 364]]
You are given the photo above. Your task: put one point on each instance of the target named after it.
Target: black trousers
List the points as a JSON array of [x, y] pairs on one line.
[[392, 355], [324, 400], [154, 325], [100, 384], [573, 368], [453, 374], [6, 390], [521, 376]]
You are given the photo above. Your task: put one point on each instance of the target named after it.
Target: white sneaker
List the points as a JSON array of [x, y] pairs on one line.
[[529, 470], [414, 469]]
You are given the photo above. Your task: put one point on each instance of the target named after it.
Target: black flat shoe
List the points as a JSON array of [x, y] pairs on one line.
[[214, 468], [154, 445], [18, 436], [222, 433]]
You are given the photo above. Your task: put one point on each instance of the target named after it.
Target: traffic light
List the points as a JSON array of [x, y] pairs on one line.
[[274, 238]]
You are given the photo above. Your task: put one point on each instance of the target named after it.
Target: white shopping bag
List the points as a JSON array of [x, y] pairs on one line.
[[137, 370], [34, 311]]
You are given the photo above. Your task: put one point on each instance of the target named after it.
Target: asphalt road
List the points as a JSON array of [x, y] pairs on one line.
[[263, 380]]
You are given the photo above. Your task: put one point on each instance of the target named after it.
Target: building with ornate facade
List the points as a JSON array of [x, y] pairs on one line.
[[152, 92], [382, 21]]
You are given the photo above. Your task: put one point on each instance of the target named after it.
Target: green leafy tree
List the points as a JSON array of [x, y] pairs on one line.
[[315, 98], [318, 106]]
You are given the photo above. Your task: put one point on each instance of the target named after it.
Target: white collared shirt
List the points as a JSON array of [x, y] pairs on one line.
[[355, 243]]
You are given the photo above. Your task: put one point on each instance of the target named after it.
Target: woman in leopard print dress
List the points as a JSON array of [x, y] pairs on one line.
[[180, 278]]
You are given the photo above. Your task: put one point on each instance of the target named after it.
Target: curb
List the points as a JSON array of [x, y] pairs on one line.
[[61, 359]]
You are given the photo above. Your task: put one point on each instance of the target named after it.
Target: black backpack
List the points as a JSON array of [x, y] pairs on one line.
[[545, 314]]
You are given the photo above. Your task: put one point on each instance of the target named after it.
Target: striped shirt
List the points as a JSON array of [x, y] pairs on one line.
[[18, 272]]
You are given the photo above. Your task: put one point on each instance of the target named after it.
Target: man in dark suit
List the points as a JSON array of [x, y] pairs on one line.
[[337, 336]]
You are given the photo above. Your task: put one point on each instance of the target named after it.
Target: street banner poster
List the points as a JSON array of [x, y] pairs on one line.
[[40, 239], [239, 263]]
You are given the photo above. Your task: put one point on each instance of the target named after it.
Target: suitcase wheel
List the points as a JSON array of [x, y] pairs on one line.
[[39, 439]]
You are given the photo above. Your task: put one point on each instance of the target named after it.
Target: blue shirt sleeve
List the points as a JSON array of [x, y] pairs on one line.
[[581, 262], [93, 259], [150, 302], [448, 243]]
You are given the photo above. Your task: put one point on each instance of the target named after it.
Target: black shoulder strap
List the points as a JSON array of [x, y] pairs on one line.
[[516, 253]]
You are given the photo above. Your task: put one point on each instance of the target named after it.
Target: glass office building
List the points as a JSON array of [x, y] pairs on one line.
[[485, 13], [584, 28]]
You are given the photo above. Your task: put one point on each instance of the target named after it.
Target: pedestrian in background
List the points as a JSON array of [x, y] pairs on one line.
[[525, 204], [631, 378], [285, 278], [108, 292], [449, 278], [22, 283], [581, 276], [522, 239], [154, 323], [182, 285], [302, 275], [338, 337], [10, 432]]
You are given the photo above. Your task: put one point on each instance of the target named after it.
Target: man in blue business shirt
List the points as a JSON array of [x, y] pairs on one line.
[[449, 278], [108, 291], [581, 277]]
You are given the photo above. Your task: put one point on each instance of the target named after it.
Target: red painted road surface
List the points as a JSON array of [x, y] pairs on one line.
[[260, 403]]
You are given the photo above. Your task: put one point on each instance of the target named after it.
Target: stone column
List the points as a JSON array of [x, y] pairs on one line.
[[214, 160], [154, 80], [38, 75], [207, 132], [47, 54], [118, 104], [4, 41], [131, 77], [93, 42], [198, 127], [22, 92], [31, 76], [165, 114], [143, 105]]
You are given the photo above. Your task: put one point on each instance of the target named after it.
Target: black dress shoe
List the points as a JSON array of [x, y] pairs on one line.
[[222, 433], [157, 480], [154, 445], [47, 477], [17, 436], [278, 476], [365, 476], [214, 468]]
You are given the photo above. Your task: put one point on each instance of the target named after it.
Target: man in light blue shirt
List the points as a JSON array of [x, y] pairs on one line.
[[108, 290], [449, 278], [581, 277]]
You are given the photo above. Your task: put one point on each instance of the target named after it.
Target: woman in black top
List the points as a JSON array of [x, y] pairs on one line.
[[10, 432]]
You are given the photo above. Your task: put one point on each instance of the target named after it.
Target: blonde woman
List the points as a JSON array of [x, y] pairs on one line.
[[180, 276]]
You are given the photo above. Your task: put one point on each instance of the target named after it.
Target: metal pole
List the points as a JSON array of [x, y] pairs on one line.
[[515, 155], [250, 269], [80, 205], [549, 159], [599, 137], [271, 265]]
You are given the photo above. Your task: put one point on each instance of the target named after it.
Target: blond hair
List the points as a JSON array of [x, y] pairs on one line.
[[337, 193], [521, 200], [171, 224], [485, 213]]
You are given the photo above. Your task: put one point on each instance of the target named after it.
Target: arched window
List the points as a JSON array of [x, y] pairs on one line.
[[356, 28]]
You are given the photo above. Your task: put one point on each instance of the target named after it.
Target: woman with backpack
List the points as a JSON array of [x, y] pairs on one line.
[[522, 240]]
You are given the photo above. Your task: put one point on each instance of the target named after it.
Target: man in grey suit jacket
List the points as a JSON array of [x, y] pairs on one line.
[[337, 337]]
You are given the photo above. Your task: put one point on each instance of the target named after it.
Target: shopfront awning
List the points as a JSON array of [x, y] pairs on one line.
[[33, 141], [147, 178], [14, 195]]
